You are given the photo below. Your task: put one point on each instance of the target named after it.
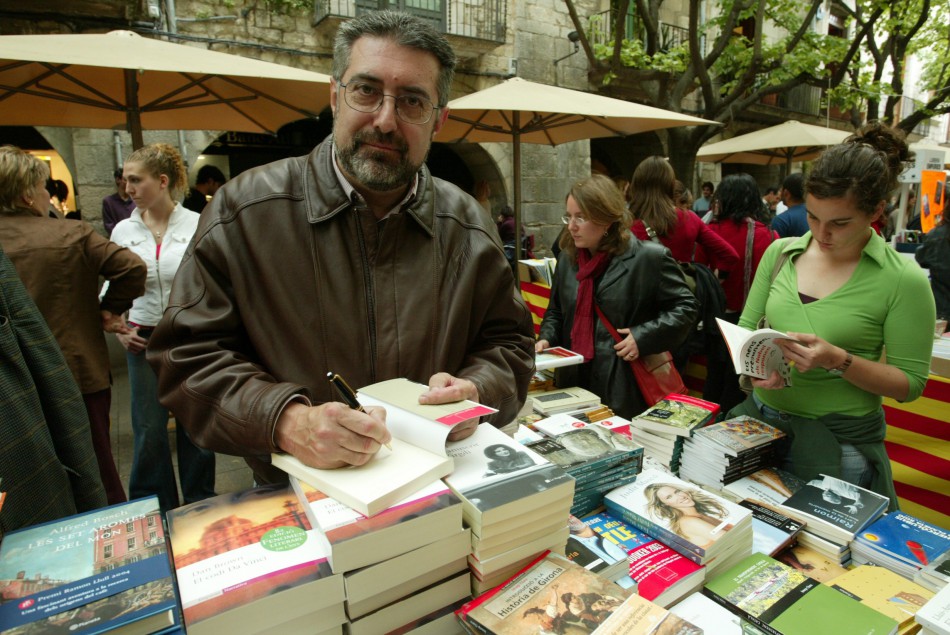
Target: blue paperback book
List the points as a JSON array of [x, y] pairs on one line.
[[906, 538], [104, 570]]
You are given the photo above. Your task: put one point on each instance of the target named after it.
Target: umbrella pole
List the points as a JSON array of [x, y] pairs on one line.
[[516, 160], [133, 117]]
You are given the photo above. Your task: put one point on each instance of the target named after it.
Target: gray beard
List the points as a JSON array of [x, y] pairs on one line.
[[375, 170]]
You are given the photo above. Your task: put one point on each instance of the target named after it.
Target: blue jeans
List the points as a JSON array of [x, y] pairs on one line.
[[152, 469], [855, 467]]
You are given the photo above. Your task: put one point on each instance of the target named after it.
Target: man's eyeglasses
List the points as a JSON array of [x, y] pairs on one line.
[[415, 109], [578, 220]]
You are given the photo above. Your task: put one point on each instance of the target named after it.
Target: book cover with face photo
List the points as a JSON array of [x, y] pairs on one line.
[[494, 473], [679, 513]]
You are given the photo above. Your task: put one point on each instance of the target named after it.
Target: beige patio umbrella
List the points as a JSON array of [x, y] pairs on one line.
[[520, 111], [121, 80], [786, 142]]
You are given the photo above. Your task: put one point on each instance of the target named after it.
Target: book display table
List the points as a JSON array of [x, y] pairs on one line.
[[918, 433]]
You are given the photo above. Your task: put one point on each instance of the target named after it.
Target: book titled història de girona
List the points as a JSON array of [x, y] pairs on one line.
[[104, 570]]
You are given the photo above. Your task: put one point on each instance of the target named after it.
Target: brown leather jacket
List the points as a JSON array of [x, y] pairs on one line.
[[283, 283], [60, 263]]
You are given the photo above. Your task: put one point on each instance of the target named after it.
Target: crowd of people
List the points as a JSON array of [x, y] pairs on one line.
[[355, 259]]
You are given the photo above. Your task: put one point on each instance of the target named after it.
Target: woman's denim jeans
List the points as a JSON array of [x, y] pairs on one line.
[[152, 469]]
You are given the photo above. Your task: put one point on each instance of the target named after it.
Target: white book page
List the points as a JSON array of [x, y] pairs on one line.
[[424, 426], [754, 353]]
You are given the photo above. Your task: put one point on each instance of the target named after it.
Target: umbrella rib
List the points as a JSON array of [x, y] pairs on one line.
[[232, 106], [280, 102], [47, 92], [191, 101], [60, 70]]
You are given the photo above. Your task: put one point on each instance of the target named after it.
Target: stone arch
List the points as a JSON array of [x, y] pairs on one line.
[[465, 164]]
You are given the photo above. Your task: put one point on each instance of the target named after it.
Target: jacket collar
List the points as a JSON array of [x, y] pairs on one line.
[[176, 218], [875, 249], [616, 271], [326, 197]]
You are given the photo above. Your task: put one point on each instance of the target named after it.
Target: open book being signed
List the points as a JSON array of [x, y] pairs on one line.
[[417, 458]]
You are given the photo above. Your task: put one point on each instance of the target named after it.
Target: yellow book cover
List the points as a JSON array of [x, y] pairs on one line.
[[884, 591]]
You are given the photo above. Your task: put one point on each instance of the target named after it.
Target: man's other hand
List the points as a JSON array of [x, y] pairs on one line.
[[444, 388]]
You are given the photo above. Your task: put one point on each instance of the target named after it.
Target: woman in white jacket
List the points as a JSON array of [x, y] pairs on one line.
[[158, 231]]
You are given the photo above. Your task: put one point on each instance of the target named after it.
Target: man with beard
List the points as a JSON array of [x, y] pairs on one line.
[[353, 260]]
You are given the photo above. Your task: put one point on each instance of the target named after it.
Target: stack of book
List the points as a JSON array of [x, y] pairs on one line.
[[708, 615], [104, 570], [250, 562], [563, 400], [662, 428], [704, 527], [515, 502], [810, 562], [772, 531], [726, 451], [400, 564], [641, 562], [539, 270], [934, 617], [598, 458], [548, 366], [885, 592], [554, 595], [834, 511], [901, 542], [781, 600], [935, 574], [768, 485]]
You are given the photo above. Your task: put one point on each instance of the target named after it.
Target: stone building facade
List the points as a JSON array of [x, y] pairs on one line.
[[534, 34]]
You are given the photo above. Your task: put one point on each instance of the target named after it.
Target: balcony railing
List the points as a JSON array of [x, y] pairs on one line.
[[601, 31], [476, 19]]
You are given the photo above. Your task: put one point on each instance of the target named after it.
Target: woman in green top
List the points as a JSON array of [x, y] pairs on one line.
[[844, 297]]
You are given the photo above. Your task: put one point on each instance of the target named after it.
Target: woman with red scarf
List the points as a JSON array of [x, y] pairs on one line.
[[636, 285]]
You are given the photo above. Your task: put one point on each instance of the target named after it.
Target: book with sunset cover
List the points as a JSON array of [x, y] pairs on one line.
[[249, 561]]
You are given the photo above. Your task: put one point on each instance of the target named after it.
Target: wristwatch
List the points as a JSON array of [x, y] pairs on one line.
[[840, 370]]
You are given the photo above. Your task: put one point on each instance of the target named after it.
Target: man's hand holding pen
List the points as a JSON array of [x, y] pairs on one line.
[[331, 435]]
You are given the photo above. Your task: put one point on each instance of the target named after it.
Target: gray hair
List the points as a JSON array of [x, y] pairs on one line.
[[404, 29]]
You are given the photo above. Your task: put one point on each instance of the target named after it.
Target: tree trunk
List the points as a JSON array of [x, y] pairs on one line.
[[682, 153]]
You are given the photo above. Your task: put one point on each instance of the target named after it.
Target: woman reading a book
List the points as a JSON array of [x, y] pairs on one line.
[[690, 514], [845, 298], [637, 285]]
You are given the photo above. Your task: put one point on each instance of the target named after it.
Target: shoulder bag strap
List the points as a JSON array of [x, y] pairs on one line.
[[747, 274], [606, 322], [651, 233]]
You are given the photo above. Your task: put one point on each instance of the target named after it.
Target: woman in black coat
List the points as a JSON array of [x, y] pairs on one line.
[[637, 285]]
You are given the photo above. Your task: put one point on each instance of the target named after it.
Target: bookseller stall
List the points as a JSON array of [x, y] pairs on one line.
[[918, 433]]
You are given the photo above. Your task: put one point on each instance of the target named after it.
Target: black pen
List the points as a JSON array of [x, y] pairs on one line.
[[349, 397]]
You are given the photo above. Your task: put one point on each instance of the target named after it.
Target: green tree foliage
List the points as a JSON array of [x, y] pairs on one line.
[[745, 50]]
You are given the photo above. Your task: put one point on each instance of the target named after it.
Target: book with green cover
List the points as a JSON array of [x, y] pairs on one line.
[[676, 415], [784, 601]]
